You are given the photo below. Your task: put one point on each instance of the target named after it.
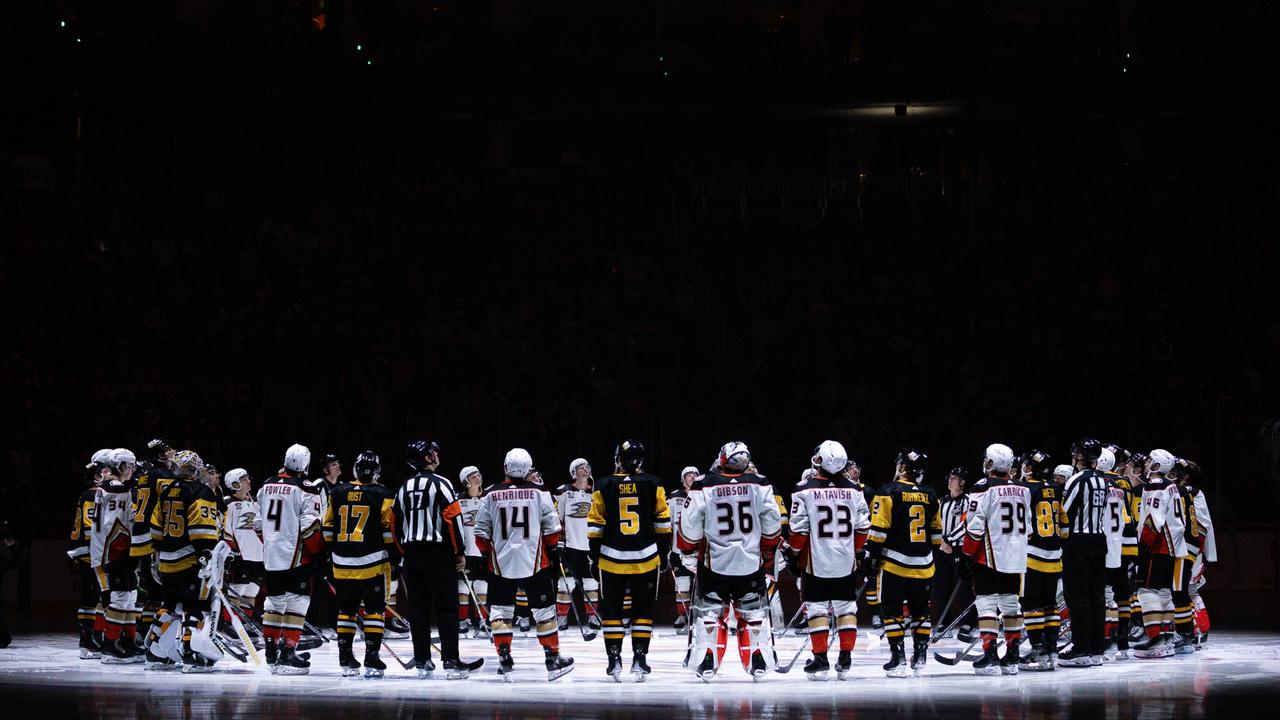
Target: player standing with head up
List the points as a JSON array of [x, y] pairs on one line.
[[733, 521], [630, 530]]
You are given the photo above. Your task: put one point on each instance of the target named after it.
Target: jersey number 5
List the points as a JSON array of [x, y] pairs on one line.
[[629, 520]]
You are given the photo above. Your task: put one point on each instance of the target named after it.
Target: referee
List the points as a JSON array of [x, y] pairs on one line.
[[430, 533], [1084, 555]]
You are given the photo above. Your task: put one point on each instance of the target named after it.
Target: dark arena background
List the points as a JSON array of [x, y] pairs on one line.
[[242, 224]]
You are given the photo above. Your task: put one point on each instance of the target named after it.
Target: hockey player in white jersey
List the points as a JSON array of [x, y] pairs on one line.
[[573, 503], [109, 542], [682, 566], [734, 523], [519, 531], [290, 540], [1162, 530], [242, 530], [829, 524], [1202, 546], [469, 500], [997, 527]]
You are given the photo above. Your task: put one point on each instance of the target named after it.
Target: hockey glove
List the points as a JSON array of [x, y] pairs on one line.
[[554, 555], [395, 572]]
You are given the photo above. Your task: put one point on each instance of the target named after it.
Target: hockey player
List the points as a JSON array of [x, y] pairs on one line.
[[1198, 528], [358, 527], [322, 612], [158, 474], [469, 501], [1202, 546], [733, 521], [997, 526], [518, 529], [829, 525], [290, 540], [241, 530], [1122, 546], [905, 528], [1039, 597], [573, 503], [630, 530], [184, 531], [89, 615], [677, 500], [1161, 529], [115, 569]]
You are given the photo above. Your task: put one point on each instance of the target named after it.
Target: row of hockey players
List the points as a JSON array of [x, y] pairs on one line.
[[726, 545]]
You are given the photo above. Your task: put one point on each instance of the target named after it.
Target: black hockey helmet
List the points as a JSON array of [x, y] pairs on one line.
[[1039, 462], [1139, 462], [1089, 449], [156, 449], [1184, 470], [325, 460], [418, 451], [368, 466], [914, 463], [629, 455], [1122, 455], [959, 472]]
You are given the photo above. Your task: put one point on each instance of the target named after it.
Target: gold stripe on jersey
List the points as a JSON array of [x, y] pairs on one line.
[[357, 528], [1034, 563], [184, 520], [629, 512]]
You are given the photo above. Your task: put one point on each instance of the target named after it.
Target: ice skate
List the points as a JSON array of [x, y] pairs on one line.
[[817, 668], [640, 667]]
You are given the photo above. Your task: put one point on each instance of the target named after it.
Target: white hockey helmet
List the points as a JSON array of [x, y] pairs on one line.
[[806, 476], [1000, 456], [1160, 463], [467, 472], [235, 478], [573, 467], [831, 457], [517, 463], [1106, 460], [734, 456], [1066, 471], [122, 456], [297, 458], [102, 457], [689, 469]]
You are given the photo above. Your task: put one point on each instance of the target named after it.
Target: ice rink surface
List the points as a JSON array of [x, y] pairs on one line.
[[1236, 674]]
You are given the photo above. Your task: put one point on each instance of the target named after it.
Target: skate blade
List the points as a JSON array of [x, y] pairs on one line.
[[641, 676], [196, 669], [373, 674], [986, 671], [897, 673], [842, 675], [817, 676], [90, 655], [350, 672], [1009, 671], [554, 675], [507, 677], [292, 671], [706, 676], [617, 676], [456, 675]]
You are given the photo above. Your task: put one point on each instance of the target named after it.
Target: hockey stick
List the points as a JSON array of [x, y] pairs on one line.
[[480, 608], [791, 622], [939, 635], [962, 655], [574, 606], [241, 633]]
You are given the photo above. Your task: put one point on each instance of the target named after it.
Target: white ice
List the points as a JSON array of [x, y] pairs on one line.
[[1231, 662]]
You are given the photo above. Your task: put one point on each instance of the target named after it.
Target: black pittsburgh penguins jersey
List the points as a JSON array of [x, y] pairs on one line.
[[905, 527], [1044, 545], [357, 529], [630, 519], [148, 489], [78, 547], [184, 522]]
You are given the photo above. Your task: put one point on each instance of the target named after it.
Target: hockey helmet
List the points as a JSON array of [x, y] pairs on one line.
[[1063, 471], [1088, 449], [368, 466], [418, 451], [517, 463], [1161, 462], [734, 457], [237, 478], [629, 455], [831, 457], [913, 463], [1038, 461], [297, 459], [573, 468], [466, 474], [186, 464], [1106, 460], [998, 457]]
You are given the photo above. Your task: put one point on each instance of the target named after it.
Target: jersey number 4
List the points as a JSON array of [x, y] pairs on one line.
[[512, 519]]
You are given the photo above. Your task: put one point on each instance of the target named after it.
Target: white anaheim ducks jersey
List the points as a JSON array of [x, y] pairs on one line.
[[733, 514], [470, 507], [288, 512], [572, 506], [516, 520], [1209, 547], [242, 527], [1117, 523], [832, 514], [112, 520], [1000, 520], [1162, 517]]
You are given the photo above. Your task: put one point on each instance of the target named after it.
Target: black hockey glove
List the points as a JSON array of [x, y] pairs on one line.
[[555, 555], [675, 560], [395, 572], [792, 555]]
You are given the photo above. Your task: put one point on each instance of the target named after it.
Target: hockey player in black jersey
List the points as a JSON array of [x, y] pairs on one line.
[[1044, 563], [630, 530]]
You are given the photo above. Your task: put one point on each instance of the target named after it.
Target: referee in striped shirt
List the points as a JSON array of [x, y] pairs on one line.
[[430, 533], [1084, 555]]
